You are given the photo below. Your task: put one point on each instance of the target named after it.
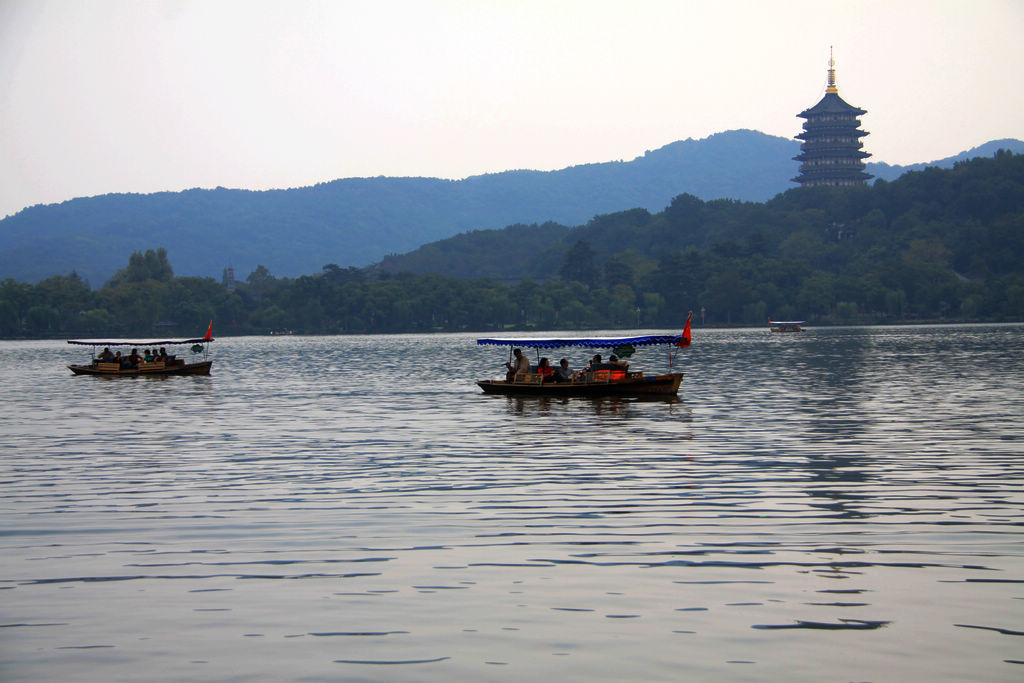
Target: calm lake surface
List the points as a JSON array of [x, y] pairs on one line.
[[843, 504]]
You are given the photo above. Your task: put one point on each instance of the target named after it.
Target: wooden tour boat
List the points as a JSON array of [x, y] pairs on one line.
[[170, 365], [605, 380], [785, 325]]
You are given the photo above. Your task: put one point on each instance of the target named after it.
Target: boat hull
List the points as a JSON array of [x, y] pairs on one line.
[[659, 385], [201, 368]]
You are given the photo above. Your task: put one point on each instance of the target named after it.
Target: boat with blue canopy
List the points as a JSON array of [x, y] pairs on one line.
[[154, 361], [583, 342], [613, 378]]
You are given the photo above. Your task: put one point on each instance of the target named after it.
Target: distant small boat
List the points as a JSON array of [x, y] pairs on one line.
[[108, 365], [785, 325]]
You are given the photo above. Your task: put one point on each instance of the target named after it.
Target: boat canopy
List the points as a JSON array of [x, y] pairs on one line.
[[773, 323], [586, 342], [169, 342]]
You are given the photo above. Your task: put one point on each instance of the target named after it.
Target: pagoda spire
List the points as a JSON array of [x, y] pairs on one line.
[[831, 74]]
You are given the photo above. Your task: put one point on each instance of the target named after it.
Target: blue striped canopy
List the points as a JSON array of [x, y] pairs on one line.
[[585, 342], [143, 344]]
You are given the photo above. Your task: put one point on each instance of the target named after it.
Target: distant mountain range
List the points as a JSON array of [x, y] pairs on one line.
[[359, 221]]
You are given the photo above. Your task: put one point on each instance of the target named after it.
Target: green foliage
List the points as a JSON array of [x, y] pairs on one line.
[[931, 245], [152, 265], [578, 265]]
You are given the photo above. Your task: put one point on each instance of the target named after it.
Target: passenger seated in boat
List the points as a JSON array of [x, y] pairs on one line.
[[562, 373], [106, 356], [615, 362], [120, 360], [163, 355], [589, 367], [147, 356], [545, 370], [519, 364], [134, 358]]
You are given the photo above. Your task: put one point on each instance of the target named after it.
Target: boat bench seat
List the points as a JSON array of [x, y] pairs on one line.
[[607, 375], [155, 365], [528, 378], [108, 366]]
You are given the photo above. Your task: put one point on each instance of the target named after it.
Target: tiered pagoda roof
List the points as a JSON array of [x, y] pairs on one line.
[[831, 152]]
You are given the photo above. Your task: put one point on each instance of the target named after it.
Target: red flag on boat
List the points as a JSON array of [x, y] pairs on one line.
[[684, 340], [209, 331]]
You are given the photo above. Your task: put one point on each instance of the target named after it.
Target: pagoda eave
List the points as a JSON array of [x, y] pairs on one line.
[[808, 155], [834, 180], [811, 133]]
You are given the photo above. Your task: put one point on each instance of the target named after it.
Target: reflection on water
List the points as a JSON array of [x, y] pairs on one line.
[[543, 405], [841, 504]]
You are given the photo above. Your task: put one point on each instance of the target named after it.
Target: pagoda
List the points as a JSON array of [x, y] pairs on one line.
[[830, 153]]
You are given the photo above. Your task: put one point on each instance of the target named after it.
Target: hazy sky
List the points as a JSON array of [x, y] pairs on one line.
[[145, 95]]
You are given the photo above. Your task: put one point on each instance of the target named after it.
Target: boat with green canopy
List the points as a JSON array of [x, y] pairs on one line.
[[598, 379], [155, 361]]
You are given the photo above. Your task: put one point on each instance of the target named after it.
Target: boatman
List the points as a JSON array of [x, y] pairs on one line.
[[520, 363]]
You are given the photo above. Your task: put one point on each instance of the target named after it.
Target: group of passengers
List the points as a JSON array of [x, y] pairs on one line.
[[561, 373], [132, 360]]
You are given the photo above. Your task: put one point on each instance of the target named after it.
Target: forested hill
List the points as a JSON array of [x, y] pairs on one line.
[[933, 245], [357, 221], [968, 220]]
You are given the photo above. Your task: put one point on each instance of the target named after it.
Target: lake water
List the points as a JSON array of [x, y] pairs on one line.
[[843, 504]]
